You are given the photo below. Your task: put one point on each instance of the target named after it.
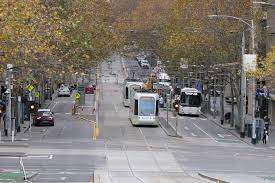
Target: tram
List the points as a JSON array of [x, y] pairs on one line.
[[144, 107], [190, 101], [127, 85]]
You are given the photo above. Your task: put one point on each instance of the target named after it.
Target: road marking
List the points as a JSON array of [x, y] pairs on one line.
[[31, 157], [54, 106], [63, 178], [186, 128], [205, 132], [194, 135], [223, 135]]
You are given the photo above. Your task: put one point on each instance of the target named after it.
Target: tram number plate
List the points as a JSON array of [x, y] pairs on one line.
[[146, 118]]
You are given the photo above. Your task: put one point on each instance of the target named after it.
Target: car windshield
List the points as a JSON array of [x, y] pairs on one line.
[[44, 113], [147, 106], [190, 99]]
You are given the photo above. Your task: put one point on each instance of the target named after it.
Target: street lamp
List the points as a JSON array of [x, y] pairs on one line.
[[243, 77], [263, 3]]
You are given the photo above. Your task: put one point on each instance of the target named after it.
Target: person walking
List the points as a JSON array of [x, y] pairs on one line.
[[265, 136], [161, 102]]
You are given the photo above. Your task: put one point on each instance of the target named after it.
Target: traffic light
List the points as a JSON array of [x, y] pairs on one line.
[[33, 107]]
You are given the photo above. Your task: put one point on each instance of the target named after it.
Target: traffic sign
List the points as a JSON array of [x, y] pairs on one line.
[[30, 88], [77, 96], [37, 94]]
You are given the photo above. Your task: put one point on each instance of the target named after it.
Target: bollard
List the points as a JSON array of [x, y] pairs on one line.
[[94, 131], [73, 111], [12, 136]]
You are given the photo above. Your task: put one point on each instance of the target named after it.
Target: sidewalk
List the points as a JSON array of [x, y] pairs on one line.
[[19, 136], [233, 131]]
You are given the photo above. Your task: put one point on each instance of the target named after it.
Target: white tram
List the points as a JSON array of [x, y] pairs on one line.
[[128, 85], [144, 108]]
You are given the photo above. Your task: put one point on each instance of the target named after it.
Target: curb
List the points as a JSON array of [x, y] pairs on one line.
[[228, 130], [167, 133], [29, 177], [212, 179], [27, 129], [10, 144]]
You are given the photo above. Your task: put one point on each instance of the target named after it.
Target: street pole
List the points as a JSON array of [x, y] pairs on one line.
[[8, 114], [243, 92], [176, 124], [214, 96], [167, 95], [253, 89]]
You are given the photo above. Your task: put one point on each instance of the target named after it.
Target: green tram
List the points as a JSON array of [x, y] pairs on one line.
[[144, 107]]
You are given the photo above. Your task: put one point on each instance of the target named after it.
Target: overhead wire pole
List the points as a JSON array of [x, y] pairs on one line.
[[243, 91], [8, 113], [252, 88]]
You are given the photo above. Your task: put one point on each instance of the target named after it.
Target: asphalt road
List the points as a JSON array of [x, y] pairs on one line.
[[68, 153]]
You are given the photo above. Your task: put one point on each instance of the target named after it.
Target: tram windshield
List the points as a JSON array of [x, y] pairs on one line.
[[190, 99], [147, 106]]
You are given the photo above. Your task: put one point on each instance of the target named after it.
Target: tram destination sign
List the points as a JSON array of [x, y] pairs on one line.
[[191, 93], [146, 118]]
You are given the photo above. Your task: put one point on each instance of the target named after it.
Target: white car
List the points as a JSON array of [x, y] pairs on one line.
[[64, 91], [145, 64]]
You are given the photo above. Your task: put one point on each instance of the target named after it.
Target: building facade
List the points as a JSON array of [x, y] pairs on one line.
[[270, 42]]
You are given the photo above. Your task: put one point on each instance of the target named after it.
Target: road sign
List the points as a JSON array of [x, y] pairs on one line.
[[30, 88], [77, 96], [37, 94]]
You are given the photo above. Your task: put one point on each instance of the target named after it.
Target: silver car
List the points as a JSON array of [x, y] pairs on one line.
[[64, 91]]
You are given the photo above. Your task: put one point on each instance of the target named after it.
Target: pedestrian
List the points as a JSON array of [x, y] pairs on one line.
[[161, 102], [265, 136]]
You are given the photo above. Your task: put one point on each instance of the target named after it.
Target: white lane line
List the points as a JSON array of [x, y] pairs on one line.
[[194, 135], [54, 106], [31, 157], [220, 135], [186, 128], [205, 132], [63, 178]]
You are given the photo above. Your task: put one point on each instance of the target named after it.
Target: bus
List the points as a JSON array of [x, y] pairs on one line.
[[190, 101], [128, 84], [144, 108]]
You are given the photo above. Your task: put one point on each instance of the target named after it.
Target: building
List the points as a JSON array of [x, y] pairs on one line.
[[270, 37]]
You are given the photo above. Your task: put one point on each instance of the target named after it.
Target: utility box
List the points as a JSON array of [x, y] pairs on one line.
[[81, 91]]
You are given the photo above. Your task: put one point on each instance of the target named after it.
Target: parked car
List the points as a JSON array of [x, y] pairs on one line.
[[64, 91], [43, 117], [89, 89]]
